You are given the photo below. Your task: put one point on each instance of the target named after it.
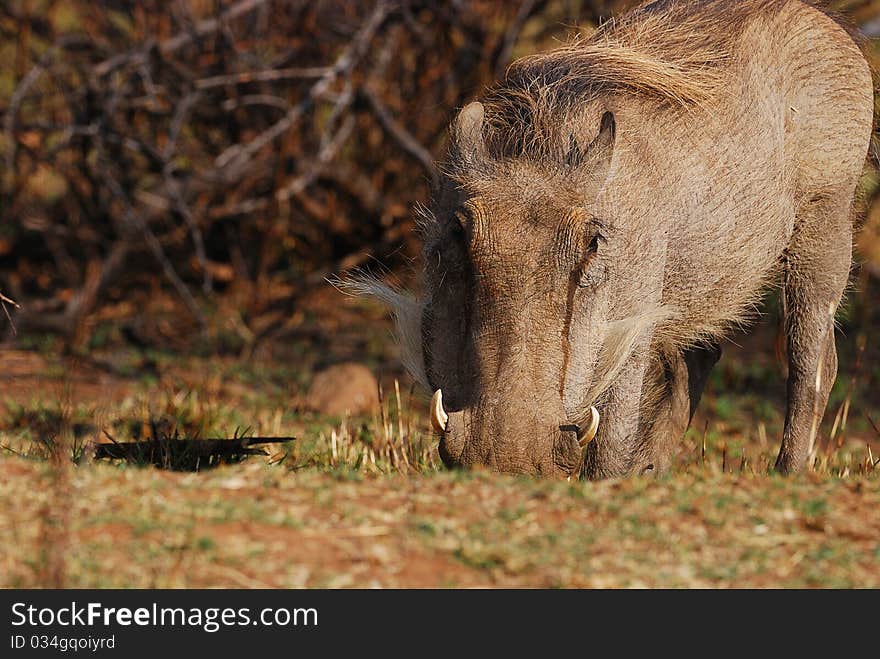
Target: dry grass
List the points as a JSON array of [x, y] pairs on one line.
[[256, 525], [364, 502]]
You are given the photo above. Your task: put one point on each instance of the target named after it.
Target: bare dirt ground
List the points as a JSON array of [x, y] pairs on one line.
[[255, 525]]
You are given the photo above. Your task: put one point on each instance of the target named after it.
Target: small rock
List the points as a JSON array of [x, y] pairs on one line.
[[233, 483], [347, 388]]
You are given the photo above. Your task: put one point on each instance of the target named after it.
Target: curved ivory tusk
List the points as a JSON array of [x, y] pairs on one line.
[[589, 429], [438, 415]]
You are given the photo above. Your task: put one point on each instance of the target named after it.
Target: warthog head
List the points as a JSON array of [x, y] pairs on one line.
[[513, 333]]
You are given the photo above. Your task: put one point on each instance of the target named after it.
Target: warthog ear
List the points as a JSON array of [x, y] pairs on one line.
[[598, 153], [467, 130]]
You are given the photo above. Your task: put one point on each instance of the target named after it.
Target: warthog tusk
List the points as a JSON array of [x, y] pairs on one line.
[[587, 433], [438, 415]]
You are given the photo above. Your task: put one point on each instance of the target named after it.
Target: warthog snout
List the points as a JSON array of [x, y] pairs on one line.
[[563, 459]]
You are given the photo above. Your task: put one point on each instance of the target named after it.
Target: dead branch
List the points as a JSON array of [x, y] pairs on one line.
[[407, 142], [236, 157], [271, 75], [170, 46], [181, 453], [325, 156], [3, 302]]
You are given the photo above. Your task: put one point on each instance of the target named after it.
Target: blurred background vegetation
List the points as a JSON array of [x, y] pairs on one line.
[[182, 175], [187, 173]]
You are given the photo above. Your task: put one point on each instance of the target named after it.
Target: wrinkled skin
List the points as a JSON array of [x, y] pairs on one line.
[[525, 277], [527, 419], [595, 252]]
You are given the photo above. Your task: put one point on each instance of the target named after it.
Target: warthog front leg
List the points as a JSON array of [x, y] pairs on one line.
[[673, 387]]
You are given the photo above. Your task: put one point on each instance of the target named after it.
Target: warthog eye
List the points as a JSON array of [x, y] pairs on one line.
[[458, 225], [586, 276]]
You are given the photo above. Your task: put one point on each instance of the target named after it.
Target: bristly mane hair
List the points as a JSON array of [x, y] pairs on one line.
[[674, 52]]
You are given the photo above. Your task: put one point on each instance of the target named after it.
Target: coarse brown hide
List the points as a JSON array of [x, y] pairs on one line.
[[614, 207]]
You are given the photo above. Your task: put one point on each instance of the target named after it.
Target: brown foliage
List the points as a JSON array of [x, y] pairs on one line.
[[193, 145], [196, 148]]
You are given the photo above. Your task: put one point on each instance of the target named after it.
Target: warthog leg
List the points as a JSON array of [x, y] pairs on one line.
[[816, 272], [671, 385], [672, 390]]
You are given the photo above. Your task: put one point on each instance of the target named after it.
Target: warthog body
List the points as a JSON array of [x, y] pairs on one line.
[[613, 208]]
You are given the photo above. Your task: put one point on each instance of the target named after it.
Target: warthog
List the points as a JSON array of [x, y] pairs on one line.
[[614, 207]]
